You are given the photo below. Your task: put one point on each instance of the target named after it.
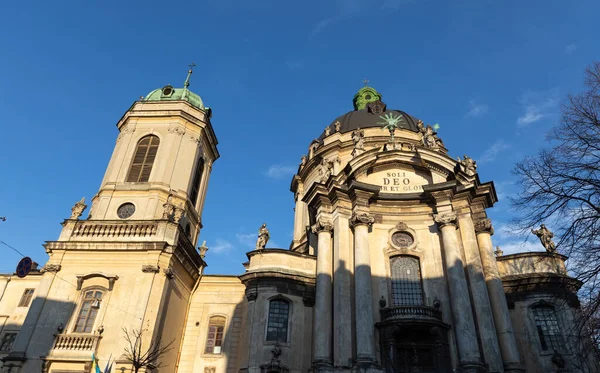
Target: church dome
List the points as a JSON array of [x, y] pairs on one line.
[[369, 111], [168, 93]]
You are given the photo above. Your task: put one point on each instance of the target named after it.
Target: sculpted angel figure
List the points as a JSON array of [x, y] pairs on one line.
[[545, 237], [263, 237]]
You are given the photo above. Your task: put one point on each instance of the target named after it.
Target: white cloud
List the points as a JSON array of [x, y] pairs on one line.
[[536, 106], [279, 171], [248, 240], [570, 49], [476, 110], [349, 9], [221, 246], [490, 153], [514, 247]]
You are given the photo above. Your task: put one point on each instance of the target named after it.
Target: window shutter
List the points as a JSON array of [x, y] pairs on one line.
[[143, 159]]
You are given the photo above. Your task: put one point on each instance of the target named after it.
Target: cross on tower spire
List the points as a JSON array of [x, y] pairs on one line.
[[366, 82], [187, 80]]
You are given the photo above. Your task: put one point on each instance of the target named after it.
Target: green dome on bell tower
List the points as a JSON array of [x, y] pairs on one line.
[[365, 95], [168, 93]]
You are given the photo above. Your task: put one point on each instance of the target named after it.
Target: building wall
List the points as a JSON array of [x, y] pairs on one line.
[[215, 296]]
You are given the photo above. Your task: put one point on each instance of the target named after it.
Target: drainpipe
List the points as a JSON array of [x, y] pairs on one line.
[[8, 279]]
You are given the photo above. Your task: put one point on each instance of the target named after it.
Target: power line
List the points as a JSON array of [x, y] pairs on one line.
[[75, 286]]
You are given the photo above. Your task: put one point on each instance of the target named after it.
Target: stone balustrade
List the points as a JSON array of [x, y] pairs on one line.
[[396, 313], [75, 345], [118, 230], [115, 229]]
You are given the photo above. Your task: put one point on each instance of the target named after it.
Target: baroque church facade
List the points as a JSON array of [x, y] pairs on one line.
[[391, 268]]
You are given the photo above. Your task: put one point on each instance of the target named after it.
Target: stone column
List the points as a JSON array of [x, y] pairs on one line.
[[343, 333], [479, 293], [464, 325], [363, 290], [299, 225], [323, 320], [506, 337]]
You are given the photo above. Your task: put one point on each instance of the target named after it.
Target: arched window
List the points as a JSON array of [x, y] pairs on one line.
[[406, 281], [547, 327], [197, 180], [141, 166], [277, 327], [88, 311], [214, 339]]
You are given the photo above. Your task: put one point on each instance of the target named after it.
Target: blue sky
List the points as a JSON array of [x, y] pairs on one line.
[[491, 73]]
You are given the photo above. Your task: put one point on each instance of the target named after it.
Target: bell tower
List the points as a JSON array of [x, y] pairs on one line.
[[135, 254], [161, 162]]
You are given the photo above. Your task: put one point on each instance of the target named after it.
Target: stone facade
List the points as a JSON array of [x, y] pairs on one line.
[[391, 267]]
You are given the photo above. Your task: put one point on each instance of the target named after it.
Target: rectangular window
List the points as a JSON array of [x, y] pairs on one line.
[[214, 340], [7, 341], [26, 298], [547, 328], [277, 326]]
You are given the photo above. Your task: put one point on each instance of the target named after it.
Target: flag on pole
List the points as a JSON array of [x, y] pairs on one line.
[[95, 367], [108, 367]]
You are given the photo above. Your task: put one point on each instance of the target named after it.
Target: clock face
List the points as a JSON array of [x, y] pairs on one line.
[[125, 210], [402, 239]]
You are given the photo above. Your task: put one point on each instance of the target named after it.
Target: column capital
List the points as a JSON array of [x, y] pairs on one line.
[[445, 218], [322, 225], [484, 226], [361, 218]]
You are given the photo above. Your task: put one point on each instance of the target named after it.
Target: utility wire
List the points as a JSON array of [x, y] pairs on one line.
[[75, 286]]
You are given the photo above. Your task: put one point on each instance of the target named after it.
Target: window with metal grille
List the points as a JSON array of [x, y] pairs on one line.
[[88, 311], [277, 327], [214, 340], [143, 159], [7, 341], [547, 327], [197, 180], [26, 298], [406, 281]]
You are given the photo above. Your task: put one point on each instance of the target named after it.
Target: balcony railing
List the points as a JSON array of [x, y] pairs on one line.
[[75, 344], [115, 229], [410, 313]]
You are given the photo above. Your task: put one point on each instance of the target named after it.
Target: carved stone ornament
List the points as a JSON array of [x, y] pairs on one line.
[[325, 170], [177, 129], [251, 296], [327, 131], [303, 161], [498, 252], [51, 268], [178, 213], [402, 239], [467, 165], [446, 218], [196, 139], [337, 126], [130, 128], [322, 225], [78, 208], [484, 226], [169, 208], [149, 268], [361, 218], [401, 226], [169, 273], [210, 369], [358, 138]]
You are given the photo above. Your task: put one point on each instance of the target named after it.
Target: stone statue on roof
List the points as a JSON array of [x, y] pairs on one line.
[[263, 237], [545, 236]]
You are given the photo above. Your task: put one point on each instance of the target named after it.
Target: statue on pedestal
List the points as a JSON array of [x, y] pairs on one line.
[[358, 138], [545, 236], [77, 210], [263, 237], [467, 165]]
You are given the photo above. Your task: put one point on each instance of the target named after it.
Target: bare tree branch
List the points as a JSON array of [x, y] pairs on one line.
[[148, 358], [561, 187]]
